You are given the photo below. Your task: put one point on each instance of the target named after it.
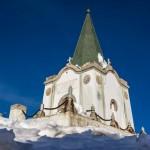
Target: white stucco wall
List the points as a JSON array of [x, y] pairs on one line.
[[67, 79], [92, 93], [60, 88], [128, 111], [47, 99], [114, 90]]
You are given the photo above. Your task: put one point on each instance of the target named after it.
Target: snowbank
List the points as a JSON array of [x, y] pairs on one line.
[[35, 134]]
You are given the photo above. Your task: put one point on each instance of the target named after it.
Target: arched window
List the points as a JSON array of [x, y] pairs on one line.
[[113, 105]]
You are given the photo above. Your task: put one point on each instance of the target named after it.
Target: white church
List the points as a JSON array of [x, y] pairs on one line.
[[92, 80]]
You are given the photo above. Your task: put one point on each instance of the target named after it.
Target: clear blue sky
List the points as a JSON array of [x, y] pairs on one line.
[[37, 37]]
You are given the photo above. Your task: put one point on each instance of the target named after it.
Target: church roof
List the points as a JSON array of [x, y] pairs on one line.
[[88, 46]]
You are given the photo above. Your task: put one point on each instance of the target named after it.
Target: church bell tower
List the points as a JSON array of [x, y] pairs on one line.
[[93, 81]]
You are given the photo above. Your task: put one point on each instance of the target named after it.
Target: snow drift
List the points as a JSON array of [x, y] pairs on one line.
[[35, 134]]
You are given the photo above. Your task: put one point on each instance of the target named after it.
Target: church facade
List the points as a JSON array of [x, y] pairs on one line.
[[93, 81]]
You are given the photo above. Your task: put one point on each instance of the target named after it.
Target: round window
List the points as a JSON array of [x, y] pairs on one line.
[[86, 79], [48, 91]]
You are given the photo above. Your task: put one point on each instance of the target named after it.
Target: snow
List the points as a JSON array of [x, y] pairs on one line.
[[79, 108], [101, 60], [35, 134]]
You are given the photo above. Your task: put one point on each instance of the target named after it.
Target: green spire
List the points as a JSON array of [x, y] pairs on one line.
[[88, 46]]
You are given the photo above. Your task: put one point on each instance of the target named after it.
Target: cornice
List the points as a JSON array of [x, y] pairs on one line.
[[85, 68]]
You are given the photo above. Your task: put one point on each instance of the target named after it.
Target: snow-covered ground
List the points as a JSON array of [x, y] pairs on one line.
[[35, 134]]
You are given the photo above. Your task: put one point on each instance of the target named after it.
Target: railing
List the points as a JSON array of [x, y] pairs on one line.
[[30, 116], [94, 115]]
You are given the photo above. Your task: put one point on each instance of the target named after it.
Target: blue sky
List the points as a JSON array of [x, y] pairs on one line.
[[37, 37]]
